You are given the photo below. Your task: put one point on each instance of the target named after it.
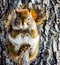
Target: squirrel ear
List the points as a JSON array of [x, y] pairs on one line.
[[11, 17], [39, 16]]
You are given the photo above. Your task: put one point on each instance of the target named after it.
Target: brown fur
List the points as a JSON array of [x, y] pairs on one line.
[[33, 33]]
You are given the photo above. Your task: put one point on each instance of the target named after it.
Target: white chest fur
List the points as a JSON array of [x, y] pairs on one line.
[[24, 39]]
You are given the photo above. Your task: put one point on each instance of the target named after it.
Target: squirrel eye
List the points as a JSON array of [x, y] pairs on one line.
[[28, 18], [16, 21]]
